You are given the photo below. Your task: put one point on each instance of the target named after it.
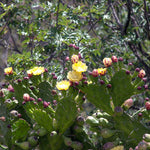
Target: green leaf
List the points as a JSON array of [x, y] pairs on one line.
[[66, 113], [20, 130], [122, 88]]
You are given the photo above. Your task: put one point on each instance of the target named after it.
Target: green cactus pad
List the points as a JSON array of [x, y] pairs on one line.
[[66, 113], [122, 88], [98, 95], [20, 130], [45, 91], [43, 119]]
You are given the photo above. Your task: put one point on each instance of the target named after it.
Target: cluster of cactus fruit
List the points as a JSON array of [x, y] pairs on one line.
[[36, 114]]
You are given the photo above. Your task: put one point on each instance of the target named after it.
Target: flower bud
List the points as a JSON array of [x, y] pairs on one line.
[[95, 73], [145, 86], [103, 122], [23, 102], [142, 146], [26, 97], [19, 115], [8, 126], [85, 82], [79, 55], [146, 137], [83, 98], [67, 58], [39, 99], [74, 58], [53, 74], [76, 83], [130, 64], [147, 99], [141, 74], [19, 80], [107, 62], [67, 141], [127, 72], [120, 59], [109, 85], [31, 99], [26, 78], [128, 103], [53, 133], [14, 113], [76, 47], [108, 146], [118, 111], [144, 79], [32, 87], [78, 128], [45, 104], [102, 82], [92, 121], [140, 114], [114, 59], [139, 88], [45, 70], [33, 140], [1, 93], [2, 118], [137, 69], [23, 145], [84, 78], [80, 120], [41, 131], [77, 145], [55, 77], [147, 105], [106, 133], [71, 45], [10, 88]]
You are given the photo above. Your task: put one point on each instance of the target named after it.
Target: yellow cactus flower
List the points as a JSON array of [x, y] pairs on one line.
[[63, 85], [36, 71], [120, 147], [102, 71], [107, 62], [74, 76], [8, 70], [74, 58], [79, 66]]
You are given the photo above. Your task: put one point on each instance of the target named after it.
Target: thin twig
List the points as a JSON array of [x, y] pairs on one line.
[[57, 14], [128, 17], [15, 45], [116, 16], [146, 17]]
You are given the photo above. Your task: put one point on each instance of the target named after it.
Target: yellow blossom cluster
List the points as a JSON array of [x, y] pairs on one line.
[[35, 71], [63, 85], [75, 75]]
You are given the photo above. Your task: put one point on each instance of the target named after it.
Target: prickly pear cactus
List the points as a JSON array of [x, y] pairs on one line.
[[41, 112]]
